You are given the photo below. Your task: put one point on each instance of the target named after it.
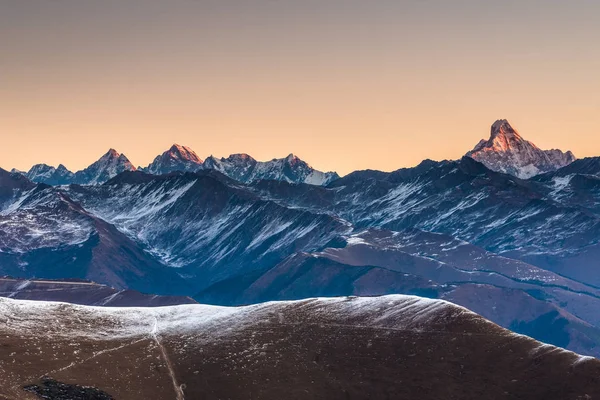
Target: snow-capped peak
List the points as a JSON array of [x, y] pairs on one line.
[[292, 158], [43, 173], [177, 158], [508, 152], [244, 168], [108, 166], [502, 129], [62, 168], [240, 166], [113, 157], [240, 157], [183, 153], [111, 153]]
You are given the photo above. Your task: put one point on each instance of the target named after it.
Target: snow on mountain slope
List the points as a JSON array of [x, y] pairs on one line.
[[226, 238], [177, 158], [377, 262], [108, 166], [237, 166], [466, 200], [575, 190], [45, 233], [401, 312], [43, 173], [532, 220], [582, 166], [369, 348], [291, 169], [205, 224], [41, 218], [506, 151], [11, 186], [240, 167]]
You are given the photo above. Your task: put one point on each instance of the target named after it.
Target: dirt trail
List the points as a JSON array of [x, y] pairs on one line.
[[176, 386]]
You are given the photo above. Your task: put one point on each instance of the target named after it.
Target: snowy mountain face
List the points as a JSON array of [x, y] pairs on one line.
[[524, 219], [41, 218], [11, 186], [584, 166], [506, 151], [108, 166], [44, 233], [43, 173], [237, 166], [205, 224], [336, 348], [291, 169], [177, 158]]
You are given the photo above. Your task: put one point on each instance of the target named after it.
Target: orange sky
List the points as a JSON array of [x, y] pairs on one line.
[[344, 84]]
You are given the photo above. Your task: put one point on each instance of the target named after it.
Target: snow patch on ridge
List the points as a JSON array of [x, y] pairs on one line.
[[61, 319]]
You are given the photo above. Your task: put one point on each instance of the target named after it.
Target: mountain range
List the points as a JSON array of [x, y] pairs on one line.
[[241, 167], [505, 151], [520, 252]]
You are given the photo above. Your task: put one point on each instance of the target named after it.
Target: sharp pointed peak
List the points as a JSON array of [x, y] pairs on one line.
[[112, 153], [499, 123], [179, 148], [184, 153], [503, 128], [503, 137], [112, 156], [292, 158], [506, 151]]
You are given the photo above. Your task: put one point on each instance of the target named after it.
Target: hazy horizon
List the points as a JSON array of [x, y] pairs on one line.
[[345, 85]]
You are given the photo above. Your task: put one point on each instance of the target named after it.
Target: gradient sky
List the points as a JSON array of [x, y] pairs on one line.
[[344, 84]]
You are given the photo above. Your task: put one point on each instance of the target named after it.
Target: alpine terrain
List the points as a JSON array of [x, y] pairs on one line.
[[522, 253], [177, 158], [339, 348]]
